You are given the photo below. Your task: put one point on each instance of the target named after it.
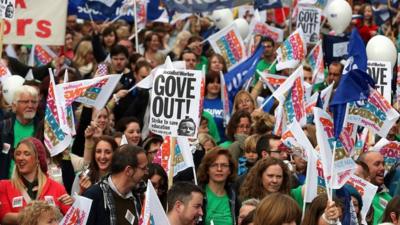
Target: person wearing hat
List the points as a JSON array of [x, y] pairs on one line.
[[30, 182]]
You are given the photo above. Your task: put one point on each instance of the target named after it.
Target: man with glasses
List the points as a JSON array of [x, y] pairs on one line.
[[270, 145], [114, 202], [22, 124]]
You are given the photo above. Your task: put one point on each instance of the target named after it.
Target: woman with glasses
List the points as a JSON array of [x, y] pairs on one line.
[[216, 174]]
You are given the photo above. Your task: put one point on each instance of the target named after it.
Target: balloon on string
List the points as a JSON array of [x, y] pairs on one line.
[[339, 14], [10, 84], [381, 48], [242, 26], [222, 17]]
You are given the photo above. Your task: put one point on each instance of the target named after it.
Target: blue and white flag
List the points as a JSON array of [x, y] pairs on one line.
[[354, 84], [267, 4], [202, 5], [237, 77]]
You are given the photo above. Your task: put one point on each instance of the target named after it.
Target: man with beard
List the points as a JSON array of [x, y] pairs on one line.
[[185, 204], [22, 124], [376, 166], [268, 57]]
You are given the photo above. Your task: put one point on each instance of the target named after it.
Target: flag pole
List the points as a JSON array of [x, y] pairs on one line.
[[136, 28], [194, 175], [1, 36], [171, 161], [332, 166]]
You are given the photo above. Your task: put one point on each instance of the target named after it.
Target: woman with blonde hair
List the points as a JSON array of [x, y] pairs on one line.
[[244, 101], [180, 44], [39, 213], [277, 209], [84, 59], [30, 182]]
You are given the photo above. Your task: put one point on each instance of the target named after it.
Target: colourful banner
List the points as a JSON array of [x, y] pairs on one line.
[[41, 55], [93, 92], [263, 29], [152, 211], [292, 51], [367, 192], [57, 134], [4, 72], [316, 61], [229, 44], [272, 81], [342, 163], [376, 114], [291, 95], [78, 214], [390, 151]]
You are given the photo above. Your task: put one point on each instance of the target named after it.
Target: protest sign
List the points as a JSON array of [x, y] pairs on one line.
[[7, 9], [382, 74], [367, 192], [94, 92], [291, 51], [376, 113], [78, 214], [390, 150], [4, 72], [174, 107], [37, 22], [229, 44], [309, 20]]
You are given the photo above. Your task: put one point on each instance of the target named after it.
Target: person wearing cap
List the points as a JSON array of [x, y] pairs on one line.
[[30, 182], [22, 124]]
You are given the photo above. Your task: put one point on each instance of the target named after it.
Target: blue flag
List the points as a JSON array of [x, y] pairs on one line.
[[237, 77], [202, 5], [355, 82], [267, 4]]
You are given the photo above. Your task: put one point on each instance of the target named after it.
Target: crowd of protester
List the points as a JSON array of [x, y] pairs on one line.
[[245, 174]]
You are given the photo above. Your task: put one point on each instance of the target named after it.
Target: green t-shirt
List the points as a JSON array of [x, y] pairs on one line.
[[218, 209], [226, 144], [297, 195], [379, 203], [20, 132], [203, 61], [263, 65]]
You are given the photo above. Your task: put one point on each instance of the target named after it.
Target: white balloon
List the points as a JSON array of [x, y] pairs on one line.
[[222, 17], [381, 48], [243, 27], [339, 14], [10, 84]]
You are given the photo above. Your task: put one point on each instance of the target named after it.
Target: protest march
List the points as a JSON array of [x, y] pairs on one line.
[[205, 112]]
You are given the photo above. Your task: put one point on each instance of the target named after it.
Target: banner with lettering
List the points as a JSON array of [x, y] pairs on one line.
[[291, 51], [175, 99], [316, 61], [376, 113], [78, 214], [57, 134], [390, 151], [265, 30], [309, 20], [330, 147], [4, 72], [381, 72], [272, 81], [230, 45], [152, 210], [40, 22], [93, 92], [367, 192], [291, 95]]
